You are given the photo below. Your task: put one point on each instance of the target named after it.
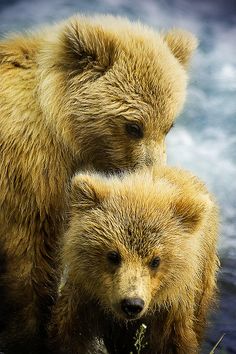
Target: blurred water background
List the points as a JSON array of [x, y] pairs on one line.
[[204, 137]]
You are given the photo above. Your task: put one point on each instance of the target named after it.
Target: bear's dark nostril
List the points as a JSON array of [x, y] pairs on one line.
[[132, 306]]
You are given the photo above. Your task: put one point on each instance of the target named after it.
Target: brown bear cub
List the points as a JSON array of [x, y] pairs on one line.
[[140, 249], [98, 93]]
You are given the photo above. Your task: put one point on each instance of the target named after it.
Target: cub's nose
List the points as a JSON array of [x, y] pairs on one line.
[[132, 306]]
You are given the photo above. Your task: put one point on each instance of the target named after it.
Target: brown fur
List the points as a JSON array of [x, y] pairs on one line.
[[66, 94], [168, 214]]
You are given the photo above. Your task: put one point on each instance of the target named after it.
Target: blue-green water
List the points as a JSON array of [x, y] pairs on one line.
[[204, 138]]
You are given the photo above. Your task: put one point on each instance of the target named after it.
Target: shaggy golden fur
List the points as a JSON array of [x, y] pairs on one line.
[[167, 214], [67, 95]]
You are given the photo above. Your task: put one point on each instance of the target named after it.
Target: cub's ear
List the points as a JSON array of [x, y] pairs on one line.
[[191, 212], [182, 44], [86, 46], [88, 191]]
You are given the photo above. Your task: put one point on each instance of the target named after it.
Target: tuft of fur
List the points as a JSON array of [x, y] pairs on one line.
[[66, 95], [166, 213]]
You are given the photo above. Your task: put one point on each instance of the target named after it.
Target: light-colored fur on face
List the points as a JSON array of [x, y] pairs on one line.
[[167, 214], [106, 72]]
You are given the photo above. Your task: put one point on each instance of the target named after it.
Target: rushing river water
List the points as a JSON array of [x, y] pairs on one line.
[[204, 138]]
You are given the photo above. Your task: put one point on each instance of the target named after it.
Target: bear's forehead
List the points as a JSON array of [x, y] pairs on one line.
[[147, 86], [142, 242], [133, 232]]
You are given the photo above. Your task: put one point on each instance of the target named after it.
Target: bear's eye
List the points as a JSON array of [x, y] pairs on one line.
[[134, 130], [154, 263], [114, 257]]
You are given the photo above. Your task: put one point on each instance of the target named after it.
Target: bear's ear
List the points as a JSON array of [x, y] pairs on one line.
[[191, 212], [182, 44], [87, 46], [88, 191]]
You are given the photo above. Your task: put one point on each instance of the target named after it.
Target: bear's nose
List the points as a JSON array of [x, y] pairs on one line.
[[132, 306]]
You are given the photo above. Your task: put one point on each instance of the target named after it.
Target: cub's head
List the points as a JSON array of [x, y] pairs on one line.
[[133, 243], [114, 89]]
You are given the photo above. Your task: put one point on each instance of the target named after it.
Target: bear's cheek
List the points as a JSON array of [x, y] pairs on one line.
[[110, 153], [117, 151], [105, 288], [156, 285]]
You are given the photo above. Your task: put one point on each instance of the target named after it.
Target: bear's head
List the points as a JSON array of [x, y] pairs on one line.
[[133, 244], [112, 89]]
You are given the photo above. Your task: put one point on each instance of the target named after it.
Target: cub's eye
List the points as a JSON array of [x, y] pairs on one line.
[[154, 263], [114, 257], [134, 130]]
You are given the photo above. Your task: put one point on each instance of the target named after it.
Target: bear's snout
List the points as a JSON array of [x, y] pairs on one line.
[[132, 306]]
